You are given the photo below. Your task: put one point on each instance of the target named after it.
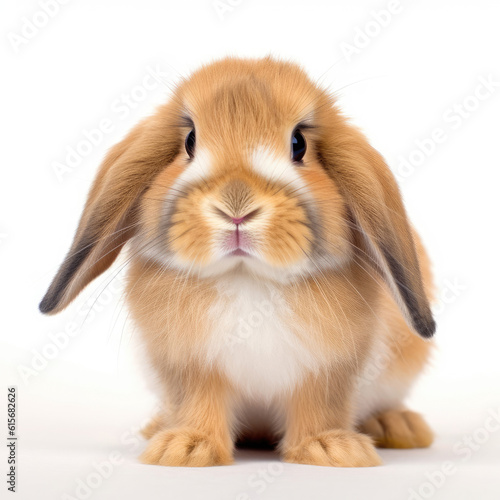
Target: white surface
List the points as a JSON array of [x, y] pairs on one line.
[[88, 68], [66, 428]]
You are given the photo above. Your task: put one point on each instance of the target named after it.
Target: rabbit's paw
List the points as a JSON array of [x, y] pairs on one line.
[[398, 429], [186, 447], [337, 448]]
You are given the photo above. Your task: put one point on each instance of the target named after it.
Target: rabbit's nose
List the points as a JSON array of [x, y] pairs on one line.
[[239, 220]]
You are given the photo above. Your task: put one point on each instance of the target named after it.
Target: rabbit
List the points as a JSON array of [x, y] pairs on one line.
[[280, 291]]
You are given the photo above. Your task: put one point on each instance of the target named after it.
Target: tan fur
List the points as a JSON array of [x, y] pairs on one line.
[[200, 434], [333, 241], [398, 429], [337, 447]]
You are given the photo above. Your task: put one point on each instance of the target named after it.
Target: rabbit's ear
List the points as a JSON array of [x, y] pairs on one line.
[[382, 231], [110, 214]]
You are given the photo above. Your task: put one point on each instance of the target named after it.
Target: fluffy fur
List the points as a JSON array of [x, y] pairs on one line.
[[305, 324]]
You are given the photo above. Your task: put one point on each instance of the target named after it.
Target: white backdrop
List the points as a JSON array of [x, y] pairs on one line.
[[421, 78]]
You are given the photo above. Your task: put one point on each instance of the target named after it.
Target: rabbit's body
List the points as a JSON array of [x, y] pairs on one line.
[[255, 335], [274, 275]]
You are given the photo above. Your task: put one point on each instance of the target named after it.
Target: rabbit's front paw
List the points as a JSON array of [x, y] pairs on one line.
[[337, 448], [186, 447]]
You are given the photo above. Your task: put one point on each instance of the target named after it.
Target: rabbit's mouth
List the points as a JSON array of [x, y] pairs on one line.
[[238, 242], [239, 252]]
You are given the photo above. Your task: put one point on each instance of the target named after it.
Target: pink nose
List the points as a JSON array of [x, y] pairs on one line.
[[238, 220]]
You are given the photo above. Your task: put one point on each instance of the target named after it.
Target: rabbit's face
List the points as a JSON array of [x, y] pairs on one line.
[[246, 189]]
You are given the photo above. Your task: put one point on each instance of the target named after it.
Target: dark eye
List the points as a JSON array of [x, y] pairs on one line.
[[299, 146], [190, 143]]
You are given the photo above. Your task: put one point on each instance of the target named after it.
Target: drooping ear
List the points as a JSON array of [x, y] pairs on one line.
[[382, 230], [110, 213]]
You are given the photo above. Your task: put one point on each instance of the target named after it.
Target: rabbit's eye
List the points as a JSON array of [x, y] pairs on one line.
[[299, 146], [190, 143]]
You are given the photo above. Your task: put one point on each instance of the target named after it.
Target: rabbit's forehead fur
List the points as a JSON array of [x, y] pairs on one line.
[[244, 114], [237, 104]]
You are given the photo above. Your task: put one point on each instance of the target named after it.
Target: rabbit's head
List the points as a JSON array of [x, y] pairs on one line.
[[249, 168]]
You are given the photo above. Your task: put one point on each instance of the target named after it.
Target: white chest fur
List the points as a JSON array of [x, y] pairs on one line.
[[251, 344]]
